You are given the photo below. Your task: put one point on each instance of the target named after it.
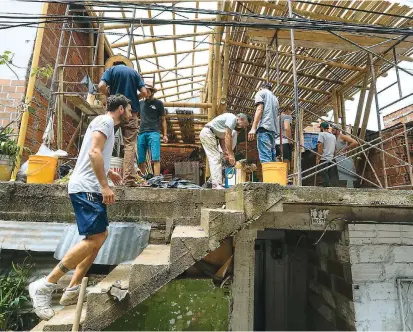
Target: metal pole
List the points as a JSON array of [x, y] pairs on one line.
[[296, 105], [373, 86], [397, 73], [131, 34]]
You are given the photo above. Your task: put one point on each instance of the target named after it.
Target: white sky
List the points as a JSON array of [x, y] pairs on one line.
[[20, 42]]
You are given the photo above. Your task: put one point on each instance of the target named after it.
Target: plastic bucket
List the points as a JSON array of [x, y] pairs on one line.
[[5, 168], [116, 165], [41, 169], [275, 172], [230, 177]]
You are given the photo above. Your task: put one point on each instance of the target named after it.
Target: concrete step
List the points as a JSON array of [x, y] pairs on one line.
[[219, 224], [63, 320]]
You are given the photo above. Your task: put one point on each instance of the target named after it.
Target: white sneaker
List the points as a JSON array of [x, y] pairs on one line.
[[218, 186], [40, 292], [71, 295]]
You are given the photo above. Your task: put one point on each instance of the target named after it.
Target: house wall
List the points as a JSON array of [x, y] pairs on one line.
[[11, 96], [401, 116]]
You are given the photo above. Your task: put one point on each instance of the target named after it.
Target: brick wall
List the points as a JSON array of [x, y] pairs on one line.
[[379, 254], [48, 55], [11, 96], [401, 116], [330, 283]]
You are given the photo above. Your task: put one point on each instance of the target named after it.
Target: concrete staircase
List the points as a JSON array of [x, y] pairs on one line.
[[152, 269]]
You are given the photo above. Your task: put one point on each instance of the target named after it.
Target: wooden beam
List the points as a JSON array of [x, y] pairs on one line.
[[210, 70], [159, 55], [183, 78], [181, 85], [335, 106], [123, 26], [304, 57], [223, 100], [189, 105], [360, 105], [186, 116], [301, 87], [177, 93], [194, 39], [217, 48], [284, 70], [172, 69], [156, 39], [343, 112]]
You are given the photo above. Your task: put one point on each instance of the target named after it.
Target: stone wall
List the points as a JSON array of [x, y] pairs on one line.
[[379, 255], [330, 305]]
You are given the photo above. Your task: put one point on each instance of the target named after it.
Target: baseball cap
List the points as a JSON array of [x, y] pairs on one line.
[[324, 125]]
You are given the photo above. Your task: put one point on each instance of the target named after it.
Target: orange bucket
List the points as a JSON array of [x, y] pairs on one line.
[[41, 169]]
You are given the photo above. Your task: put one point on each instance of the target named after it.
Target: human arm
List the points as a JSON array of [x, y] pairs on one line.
[[319, 152], [228, 147], [115, 177], [164, 130], [257, 118], [141, 87], [104, 84], [352, 143], [143, 93], [288, 131], [96, 159]]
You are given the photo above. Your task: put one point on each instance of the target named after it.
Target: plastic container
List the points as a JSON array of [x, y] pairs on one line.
[[275, 172], [116, 165], [5, 168], [230, 177], [41, 169]]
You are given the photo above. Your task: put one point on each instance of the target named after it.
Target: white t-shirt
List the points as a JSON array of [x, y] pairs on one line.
[[234, 141], [83, 178], [221, 123], [329, 145]]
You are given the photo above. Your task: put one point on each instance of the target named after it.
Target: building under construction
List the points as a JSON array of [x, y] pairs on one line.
[[299, 257]]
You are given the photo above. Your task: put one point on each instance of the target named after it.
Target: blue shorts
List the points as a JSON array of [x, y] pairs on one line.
[[266, 146], [90, 213], [151, 140]]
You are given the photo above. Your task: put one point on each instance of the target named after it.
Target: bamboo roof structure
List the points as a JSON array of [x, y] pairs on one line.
[[186, 44]]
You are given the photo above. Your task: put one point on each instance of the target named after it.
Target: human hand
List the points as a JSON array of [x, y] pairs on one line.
[[231, 160], [108, 195], [165, 139], [252, 134], [317, 161], [115, 177]]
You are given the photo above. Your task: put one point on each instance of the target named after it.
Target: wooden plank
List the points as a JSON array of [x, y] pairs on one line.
[[79, 102]]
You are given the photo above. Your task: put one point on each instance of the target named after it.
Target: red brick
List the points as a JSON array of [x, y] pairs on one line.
[[18, 82], [21, 89], [3, 95], [18, 96], [4, 82], [8, 88]]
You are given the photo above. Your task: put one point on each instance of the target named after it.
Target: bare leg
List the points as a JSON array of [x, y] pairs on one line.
[[157, 167], [76, 255], [142, 168], [82, 268]]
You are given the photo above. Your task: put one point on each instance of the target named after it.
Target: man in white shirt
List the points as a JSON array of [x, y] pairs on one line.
[[220, 129], [90, 193], [326, 147]]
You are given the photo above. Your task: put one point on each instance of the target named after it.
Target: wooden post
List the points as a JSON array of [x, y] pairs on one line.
[[79, 305], [217, 46], [223, 103], [219, 83], [367, 113], [60, 112], [335, 105], [210, 70], [101, 49], [343, 112], [360, 105]]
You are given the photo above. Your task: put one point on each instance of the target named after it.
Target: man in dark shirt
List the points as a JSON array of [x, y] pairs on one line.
[[120, 77], [151, 113]]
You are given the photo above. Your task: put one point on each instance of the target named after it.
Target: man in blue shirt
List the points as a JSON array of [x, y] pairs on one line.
[[121, 78]]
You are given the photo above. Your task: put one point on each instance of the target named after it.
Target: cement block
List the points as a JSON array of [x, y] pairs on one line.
[[375, 253], [327, 295], [368, 272], [380, 291], [188, 239], [403, 254], [343, 253], [398, 270], [376, 311], [406, 228]]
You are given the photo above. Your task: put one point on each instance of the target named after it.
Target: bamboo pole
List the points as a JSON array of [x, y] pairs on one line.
[[181, 85], [91, 43], [343, 112], [177, 93], [30, 88], [217, 46], [194, 39], [186, 116], [101, 49], [360, 105], [183, 78], [210, 70], [171, 69], [367, 113], [156, 39], [190, 105], [123, 26], [154, 48], [225, 75], [60, 111], [160, 55], [335, 106]]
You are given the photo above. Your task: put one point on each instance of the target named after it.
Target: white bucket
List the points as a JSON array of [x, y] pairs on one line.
[[116, 165]]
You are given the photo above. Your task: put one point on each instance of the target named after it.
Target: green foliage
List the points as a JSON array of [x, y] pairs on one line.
[[14, 297], [8, 144], [43, 72], [6, 57]]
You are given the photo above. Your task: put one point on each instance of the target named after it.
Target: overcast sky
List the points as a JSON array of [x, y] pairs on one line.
[[20, 41]]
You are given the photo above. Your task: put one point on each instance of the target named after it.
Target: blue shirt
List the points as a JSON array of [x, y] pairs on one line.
[[126, 81]]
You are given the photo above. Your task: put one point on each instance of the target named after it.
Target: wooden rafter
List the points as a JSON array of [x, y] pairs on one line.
[[149, 56], [172, 69]]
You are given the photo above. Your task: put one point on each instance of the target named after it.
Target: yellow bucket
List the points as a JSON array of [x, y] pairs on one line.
[[5, 168], [41, 169], [275, 172]]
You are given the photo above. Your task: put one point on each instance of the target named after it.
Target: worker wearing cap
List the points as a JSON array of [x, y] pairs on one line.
[[152, 113], [121, 78], [220, 130], [326, 147], [264, 127]]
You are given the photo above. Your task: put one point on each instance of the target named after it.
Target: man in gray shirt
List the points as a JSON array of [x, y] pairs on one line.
[[326, 147], [264, 126]]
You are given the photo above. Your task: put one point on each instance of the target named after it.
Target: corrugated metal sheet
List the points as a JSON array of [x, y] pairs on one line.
[[125, 242], [32, 236]]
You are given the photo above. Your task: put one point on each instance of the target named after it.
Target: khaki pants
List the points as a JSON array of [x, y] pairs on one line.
[[210, 145], [130, 134]]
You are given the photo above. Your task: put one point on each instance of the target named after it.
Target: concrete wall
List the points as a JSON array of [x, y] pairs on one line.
[[330, 305], [379, 255]]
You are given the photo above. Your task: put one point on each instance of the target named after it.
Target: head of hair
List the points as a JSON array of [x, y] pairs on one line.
[[115, 101], [267, 86], [116, 63], [325, 125], [245, 116]]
